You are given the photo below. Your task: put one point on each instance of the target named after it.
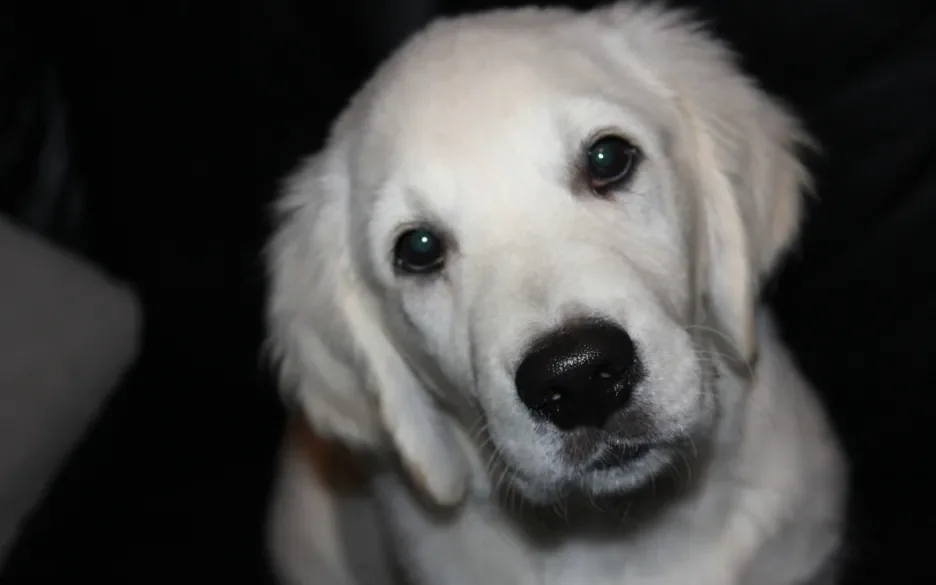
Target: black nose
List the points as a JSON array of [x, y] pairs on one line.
[[579, 375]]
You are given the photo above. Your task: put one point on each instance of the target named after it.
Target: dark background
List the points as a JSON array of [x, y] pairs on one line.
[[170, 123]]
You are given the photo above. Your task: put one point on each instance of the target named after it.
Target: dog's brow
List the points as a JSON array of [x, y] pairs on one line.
[[638, 117]]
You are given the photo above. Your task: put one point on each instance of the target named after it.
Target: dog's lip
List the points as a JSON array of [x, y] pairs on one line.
[[619, 455]]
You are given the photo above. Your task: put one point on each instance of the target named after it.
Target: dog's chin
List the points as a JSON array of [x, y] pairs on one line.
[[607, 478]]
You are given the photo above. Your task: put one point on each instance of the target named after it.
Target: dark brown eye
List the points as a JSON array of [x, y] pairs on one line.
[[419, 251], [611, 160]]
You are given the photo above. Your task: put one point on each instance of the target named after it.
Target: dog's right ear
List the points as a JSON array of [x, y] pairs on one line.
[[310, 338], [336, 358]]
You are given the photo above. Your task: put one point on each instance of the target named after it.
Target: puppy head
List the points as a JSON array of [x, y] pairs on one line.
[[508, 247]]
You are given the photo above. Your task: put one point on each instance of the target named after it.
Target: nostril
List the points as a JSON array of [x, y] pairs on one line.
[[602, 373], [608, 371], [554, 397], [556, 406]]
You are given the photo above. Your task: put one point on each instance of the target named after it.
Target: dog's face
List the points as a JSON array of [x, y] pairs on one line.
[[512, 242]]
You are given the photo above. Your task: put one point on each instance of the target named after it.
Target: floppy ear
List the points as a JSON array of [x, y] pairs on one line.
[[334, 354], [738, 148], [749, 188]]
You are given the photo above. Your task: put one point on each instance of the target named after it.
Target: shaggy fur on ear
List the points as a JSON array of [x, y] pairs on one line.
[[741, 147], [335, 357]]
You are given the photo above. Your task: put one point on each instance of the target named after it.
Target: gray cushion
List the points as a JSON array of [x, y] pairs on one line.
[[67, 334]]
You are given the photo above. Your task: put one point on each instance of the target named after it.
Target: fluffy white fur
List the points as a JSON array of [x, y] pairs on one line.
[[476, 126]]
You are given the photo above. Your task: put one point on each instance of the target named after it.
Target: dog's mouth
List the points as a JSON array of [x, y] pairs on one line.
[[618, 456]]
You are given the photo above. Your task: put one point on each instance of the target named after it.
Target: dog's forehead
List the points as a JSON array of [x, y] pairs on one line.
[[480, 102], [478, 127], [458, 91]]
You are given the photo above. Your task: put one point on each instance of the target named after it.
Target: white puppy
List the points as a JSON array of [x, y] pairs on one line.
[[522, 276]]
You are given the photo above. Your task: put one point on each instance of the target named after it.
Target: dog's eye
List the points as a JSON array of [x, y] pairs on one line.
[[419, 251], [610, 161]]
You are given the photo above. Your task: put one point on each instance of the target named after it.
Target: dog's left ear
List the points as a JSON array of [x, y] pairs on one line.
[[749, 185], [738, 149]]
